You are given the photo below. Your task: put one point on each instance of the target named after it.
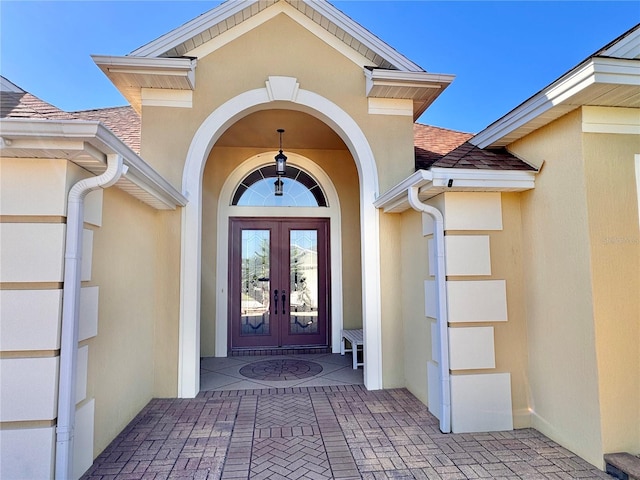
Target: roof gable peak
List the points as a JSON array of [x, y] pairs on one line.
[[231, 14]]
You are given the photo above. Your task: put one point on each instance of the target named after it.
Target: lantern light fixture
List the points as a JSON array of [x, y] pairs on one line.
[[279, 187], [281, 158]]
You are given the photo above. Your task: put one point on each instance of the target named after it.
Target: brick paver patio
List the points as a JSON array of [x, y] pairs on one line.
[[341, 432]]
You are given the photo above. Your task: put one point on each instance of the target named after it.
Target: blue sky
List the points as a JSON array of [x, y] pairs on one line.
[[501, 52]]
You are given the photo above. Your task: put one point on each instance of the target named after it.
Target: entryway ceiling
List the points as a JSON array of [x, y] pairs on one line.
[[302, 131]]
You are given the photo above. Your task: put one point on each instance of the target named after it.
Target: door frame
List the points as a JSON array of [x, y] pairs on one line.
[[279, 228], [226, 211]]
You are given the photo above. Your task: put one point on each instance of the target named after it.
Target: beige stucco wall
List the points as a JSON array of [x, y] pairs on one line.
[[134, 257], [337, 164], [562, 374], [134, 356], [510, 337], [279, 47], [392, 335], [614, 242], [416, 327]]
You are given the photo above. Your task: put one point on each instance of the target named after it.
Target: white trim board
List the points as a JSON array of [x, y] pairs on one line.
[[558, 99], [611, 120]]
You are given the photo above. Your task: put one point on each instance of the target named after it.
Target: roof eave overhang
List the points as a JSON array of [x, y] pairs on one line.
[[597, 75], [440, 180], [87, 144], [131, 74], [422, 88]]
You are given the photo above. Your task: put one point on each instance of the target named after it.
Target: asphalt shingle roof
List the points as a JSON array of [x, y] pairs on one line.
[[124, 122], [25, 105], [434, 146], [440, 147]]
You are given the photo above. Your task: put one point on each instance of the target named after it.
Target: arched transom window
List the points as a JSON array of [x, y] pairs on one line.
[[258, 189]]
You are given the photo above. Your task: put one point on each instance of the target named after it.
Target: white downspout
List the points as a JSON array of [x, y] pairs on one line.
[[70, 312], [443, 316]]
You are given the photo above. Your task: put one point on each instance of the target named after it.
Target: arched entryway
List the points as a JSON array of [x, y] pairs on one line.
[[280, 92]]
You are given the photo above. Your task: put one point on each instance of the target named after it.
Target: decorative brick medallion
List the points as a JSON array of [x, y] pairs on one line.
[[281, 369]]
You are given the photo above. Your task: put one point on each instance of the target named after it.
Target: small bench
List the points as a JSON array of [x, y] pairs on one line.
[[354, 337], [623, 466]]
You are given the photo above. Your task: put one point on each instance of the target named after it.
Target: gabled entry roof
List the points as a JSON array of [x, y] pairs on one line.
[[170, 61], [209, 25]]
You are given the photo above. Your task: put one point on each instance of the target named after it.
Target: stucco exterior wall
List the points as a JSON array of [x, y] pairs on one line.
[[278, 47], [33, 207], [128, 294], [485, 300], [511, 336], [138, 314], [563, 374], [614, 242], [416, 326], [391, 301]]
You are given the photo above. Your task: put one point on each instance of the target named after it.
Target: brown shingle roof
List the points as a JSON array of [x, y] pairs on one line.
[[123, 121], [25, 105], [440, 147], [470, 156], [434, 146]]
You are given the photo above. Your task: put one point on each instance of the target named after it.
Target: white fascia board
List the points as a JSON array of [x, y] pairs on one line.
[[102, 140], [139, 171], [176, 67], [191, 29], [593, 70], [509, 180], [434, 181], [395, 78], [361, 34], [394, 199]]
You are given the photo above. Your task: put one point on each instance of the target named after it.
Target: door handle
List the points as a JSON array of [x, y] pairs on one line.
[[284, 301], [275, 300]]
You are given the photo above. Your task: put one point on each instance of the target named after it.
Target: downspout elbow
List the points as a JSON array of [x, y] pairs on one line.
[[443, 315], [70, 311]]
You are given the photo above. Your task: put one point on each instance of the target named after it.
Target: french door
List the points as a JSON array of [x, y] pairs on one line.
[[278, 282]]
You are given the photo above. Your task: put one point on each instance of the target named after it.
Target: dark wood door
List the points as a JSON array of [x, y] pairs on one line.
[[278, 282]]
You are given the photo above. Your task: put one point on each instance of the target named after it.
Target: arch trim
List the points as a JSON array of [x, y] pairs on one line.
[[191, 246]]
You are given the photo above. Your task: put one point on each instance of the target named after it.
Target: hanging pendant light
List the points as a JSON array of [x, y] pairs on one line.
[[281, 158], [279, 187]]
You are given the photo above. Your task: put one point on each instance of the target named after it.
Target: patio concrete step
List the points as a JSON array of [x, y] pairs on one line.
[[623, 466]]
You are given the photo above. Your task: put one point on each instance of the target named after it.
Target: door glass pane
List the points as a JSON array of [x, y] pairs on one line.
[[254, 310], [303, 248]]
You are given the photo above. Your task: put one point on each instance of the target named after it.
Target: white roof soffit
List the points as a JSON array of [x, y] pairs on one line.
[[227, 15], [598, 81], [421, 87], [131, 74], [440, 180], [87, 143]]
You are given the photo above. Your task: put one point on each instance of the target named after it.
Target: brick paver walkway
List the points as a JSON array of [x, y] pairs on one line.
[[341, 432]]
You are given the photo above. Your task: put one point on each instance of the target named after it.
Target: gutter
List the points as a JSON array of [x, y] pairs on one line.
[[443, 316], [71, 311]]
